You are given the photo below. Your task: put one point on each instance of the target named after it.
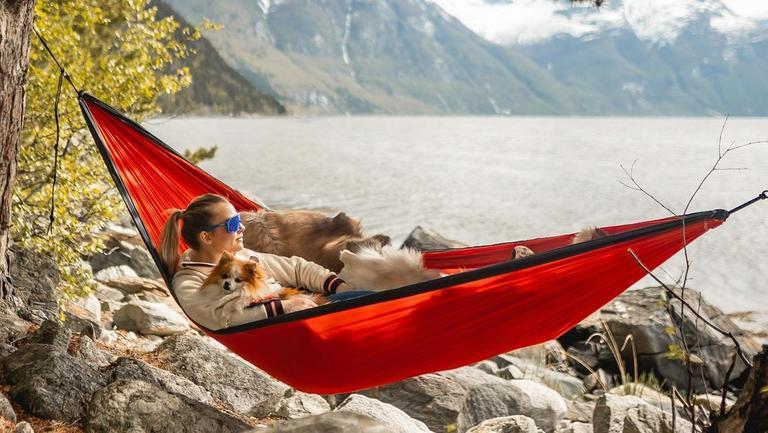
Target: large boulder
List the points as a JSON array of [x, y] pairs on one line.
[[137, 407], [423, 239], [50, 384], [51, 332], [465, 397], [615, 414], [134, 369], [395, 418], [513, 367], [6, 410], [123, 253], [236, 384], [35, 277], [149, 318], [331, 422], [644, 315]]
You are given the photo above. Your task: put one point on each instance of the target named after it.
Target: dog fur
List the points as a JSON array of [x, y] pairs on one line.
[[583, 235], [235, 283], [384, 268], [312, 235]]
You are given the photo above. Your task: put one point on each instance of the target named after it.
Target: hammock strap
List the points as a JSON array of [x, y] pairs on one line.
[[763, 195]]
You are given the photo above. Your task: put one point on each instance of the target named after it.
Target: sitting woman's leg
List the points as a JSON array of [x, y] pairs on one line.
[[343, 296]]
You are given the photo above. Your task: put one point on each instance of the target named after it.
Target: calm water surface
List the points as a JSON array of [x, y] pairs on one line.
[[485, 180]]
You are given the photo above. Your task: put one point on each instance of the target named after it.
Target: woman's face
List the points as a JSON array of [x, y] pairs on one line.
[[218, 239]]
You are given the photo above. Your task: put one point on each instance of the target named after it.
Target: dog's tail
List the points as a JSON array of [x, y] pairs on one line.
[[289, 292]]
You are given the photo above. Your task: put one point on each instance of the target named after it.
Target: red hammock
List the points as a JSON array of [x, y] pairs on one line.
[[486, 306]]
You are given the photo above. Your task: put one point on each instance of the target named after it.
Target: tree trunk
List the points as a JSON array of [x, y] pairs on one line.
[[15, 33], [750, 412]]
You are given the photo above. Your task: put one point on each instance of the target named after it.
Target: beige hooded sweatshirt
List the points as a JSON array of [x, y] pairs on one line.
[[200, 305]]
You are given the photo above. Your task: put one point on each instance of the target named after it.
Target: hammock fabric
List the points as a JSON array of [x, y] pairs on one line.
[[486, 305]]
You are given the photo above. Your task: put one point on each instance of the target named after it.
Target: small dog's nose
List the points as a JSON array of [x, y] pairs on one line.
[[226, 285]]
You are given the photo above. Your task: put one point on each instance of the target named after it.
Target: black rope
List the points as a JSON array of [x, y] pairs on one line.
[[51, 217], [63, 75], [763, 195]]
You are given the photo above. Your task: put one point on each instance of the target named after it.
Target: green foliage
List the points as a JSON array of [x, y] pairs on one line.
[[119, 51], [198, 155]]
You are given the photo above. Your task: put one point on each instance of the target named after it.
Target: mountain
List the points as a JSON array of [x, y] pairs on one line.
[[687, 57], [216, 87], [375, 56]]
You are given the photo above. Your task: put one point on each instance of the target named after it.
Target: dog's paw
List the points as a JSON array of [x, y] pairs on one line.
[[588, 234], [521, 251]]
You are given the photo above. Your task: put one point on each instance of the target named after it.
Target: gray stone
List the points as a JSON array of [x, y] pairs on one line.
[[35, 277], [465, 397], [23, 427], [87, 351], [12, 327], [422, 239], [579, 410], [122, 232], [51, 332], [134, 369], [87, 307], [518, 368], [135, 284], [137, 406], [614, 414], [299, 404], [50, 384], [107, 293], [507, 424], [488, 366], [644, 315], [578, 427], [114, 272], [238, 385], [600, 379], [6, 349], [79, 325], [395, 418], [510, 372], [331, 422], [141, 261], [6, 410], [149, 318]]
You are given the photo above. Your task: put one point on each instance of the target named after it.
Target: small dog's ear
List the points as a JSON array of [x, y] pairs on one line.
[[253, 269], [226, 257]]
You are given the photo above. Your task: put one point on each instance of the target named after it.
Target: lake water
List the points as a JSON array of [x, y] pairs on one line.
[[490, 179]]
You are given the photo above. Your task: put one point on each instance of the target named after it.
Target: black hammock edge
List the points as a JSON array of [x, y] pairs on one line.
[[389, 295]]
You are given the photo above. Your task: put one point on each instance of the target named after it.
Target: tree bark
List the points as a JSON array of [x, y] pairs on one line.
[[15, 33], [750, 412]]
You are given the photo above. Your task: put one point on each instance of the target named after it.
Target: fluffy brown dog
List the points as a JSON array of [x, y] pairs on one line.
[[308, 234]]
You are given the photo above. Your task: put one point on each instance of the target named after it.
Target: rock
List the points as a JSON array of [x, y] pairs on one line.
[[421, 239], [142, 262], [467, 396], [135, 284], [238, 385], [488, 366], [600, 379], [6, 410], [712, 402], [35, 277], [51, 332], [50, 384], [87, 307], [396, 419], [331, 422], [6, 349], [298, 405], [643, 314], [148, 343], [12, 327], [87, 351], [107, 293], [23, 427], [578, 427], [650, 395], [579, 410], [149, 318], [123, 253], [614, 414], [587, 354], [114, 272], [137, 406], [121, 232], [134, 369], [507, 424], [517, 368], [107, 337], [79, 325]]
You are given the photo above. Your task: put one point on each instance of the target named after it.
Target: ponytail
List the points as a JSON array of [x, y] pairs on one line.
[[169, 245], [195, 218]]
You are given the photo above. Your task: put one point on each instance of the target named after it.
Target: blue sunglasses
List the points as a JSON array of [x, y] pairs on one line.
[[232, 224]]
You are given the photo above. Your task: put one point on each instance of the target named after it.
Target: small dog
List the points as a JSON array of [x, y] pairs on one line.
[[384, 268], [237, 283], [583, 235], [312, 235]]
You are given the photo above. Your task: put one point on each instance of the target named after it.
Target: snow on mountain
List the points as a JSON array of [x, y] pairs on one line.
[[658, 22]]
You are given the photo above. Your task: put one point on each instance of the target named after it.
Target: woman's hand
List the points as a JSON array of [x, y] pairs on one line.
[[297, 303]]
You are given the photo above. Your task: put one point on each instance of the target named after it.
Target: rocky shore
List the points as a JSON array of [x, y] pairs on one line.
[[125, 359]]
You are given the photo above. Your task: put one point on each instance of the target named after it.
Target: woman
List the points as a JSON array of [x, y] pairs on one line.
[[211, 226]]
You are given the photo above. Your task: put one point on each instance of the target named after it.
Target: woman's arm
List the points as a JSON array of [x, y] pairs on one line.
[[298, 272]]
